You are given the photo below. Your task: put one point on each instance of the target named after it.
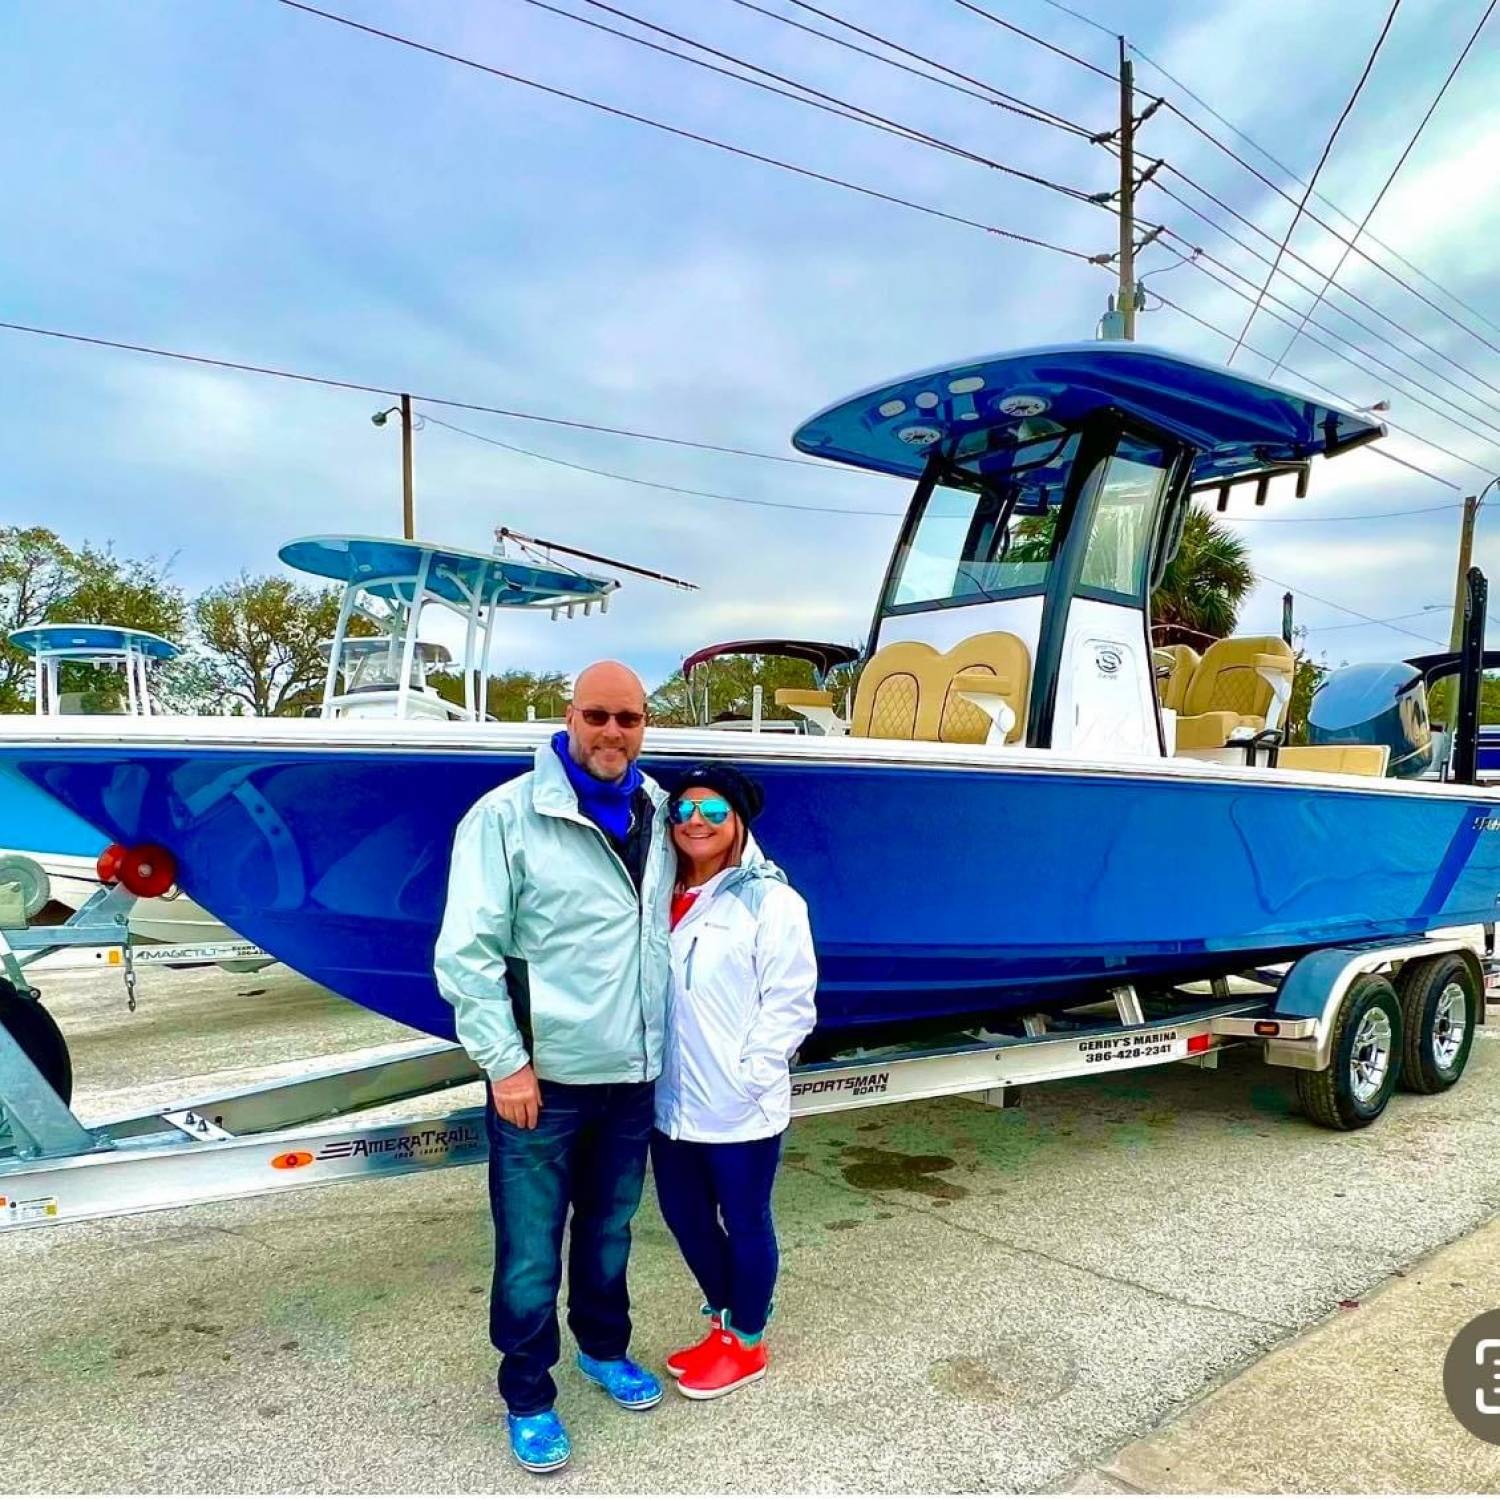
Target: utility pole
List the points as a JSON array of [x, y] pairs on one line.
[[1126, 300], [1465, 551], [408, 513]]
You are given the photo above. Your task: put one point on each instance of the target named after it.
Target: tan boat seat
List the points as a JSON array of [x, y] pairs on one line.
[[1180, 662], [1231, 688], [910, 691], [890, 691], [1344, 760], [994, 662]]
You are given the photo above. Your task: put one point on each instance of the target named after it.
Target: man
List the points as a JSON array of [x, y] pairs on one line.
[[554, 955]]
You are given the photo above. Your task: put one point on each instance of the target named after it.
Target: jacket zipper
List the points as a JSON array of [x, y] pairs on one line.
[[640, 894], [688, 966]]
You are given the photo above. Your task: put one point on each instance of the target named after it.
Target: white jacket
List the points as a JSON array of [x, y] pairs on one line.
[[743, 981]]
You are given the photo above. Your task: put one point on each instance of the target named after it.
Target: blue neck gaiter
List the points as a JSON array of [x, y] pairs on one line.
[[606, 803]]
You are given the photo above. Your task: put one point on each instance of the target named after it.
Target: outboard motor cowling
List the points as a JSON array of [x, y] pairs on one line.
[[1375, 703]]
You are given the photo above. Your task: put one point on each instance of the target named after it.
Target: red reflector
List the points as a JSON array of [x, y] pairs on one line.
[[1268, 1028], [107, 866], [148, 870], [1198, 1043]]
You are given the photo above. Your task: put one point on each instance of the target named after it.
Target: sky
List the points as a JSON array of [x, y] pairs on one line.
[[244, 180]]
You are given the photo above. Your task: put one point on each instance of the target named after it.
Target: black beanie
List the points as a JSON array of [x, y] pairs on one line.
[[737, 789]]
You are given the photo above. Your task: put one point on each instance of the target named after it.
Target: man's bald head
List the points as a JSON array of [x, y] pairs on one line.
[[610, 677], [606, 749]]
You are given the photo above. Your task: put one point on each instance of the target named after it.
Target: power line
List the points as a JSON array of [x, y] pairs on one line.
[[1371, 515], [1382, 334], [1301, 260], [1255, 171], [688, 135], [1369, 447], [1031, 36], [652, 484], [1362, 624], [828, 103], [1078, 15], [390, 390], [1338, 354], [1281, 583], [837, 20], [1385, 186], [983, 93], [1342, 238], [1199, 265], [1338, 125], [1282, 166]]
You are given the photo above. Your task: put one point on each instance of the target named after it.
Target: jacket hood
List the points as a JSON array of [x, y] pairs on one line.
[[753, 866]]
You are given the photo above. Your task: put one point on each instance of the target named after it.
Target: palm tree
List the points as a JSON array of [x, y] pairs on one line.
[[1204, 585]]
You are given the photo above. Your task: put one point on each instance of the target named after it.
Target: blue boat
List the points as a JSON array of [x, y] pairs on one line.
[[1028, 803], [32, 823]]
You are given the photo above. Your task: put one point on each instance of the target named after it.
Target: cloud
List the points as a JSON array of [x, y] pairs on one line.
[[269, 187]]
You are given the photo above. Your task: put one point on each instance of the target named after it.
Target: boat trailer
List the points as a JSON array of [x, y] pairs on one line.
[[1352, 1021], [98, 935]]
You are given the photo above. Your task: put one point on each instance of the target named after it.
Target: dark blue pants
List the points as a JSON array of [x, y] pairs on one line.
[[588, 1152], [716, 1199]]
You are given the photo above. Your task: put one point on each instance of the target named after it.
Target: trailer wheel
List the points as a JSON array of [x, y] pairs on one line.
[[1355, 1087], [1439, 1006], [36, 1032]]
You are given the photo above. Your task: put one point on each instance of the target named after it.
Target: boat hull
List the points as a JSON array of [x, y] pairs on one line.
[[937, 891]]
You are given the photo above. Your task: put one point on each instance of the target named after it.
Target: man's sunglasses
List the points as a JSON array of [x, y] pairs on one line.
[[598, 717], [713, 809]]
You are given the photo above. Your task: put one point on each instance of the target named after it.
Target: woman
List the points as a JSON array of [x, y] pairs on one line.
[[743, 977]]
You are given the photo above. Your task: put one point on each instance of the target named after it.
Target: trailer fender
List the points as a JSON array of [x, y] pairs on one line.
[[1316, 984]]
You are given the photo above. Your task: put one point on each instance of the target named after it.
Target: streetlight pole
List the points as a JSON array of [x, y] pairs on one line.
[[408, 509], [408, 514]]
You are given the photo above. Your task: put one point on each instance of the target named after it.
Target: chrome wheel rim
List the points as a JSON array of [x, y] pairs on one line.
[[1450, 1025], [1370, 1061]]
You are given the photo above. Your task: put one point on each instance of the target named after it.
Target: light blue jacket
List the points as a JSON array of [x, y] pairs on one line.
[[546, 953]]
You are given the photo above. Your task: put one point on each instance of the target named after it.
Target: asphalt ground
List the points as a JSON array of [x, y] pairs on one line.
[[972, 1299]]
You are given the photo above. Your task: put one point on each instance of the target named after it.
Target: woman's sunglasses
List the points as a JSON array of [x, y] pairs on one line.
[[599, 717], [713, 809]]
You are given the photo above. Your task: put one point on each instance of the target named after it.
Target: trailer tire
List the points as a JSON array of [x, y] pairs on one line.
[[37, 1034], [1439, 1009], [1355, 1087]]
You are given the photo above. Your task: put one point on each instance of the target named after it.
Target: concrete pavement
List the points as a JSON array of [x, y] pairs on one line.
[[972, 1299], [1355, 1405]]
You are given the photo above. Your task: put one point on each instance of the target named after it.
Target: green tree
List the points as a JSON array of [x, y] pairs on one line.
[[727, 686], [266, 639], [1201, 590], [509, 694], [1307, 677], [1204, 585], [42, 579]]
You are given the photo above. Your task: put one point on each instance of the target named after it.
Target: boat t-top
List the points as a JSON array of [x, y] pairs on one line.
[[824, 657], [388, 585], [51, 853], [130, 652], [33, 824]]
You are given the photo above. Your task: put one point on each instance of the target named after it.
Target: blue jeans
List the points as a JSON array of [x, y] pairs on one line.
[[588, 1152], [716, 1199]]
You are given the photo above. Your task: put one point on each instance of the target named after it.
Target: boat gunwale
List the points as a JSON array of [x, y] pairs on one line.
[[406, 737]]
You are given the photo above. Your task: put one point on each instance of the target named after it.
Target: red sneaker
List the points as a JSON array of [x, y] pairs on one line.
[[677, 1363], [723, 1364]]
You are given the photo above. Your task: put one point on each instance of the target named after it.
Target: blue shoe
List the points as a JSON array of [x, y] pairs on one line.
[[539, 1442], [624, 1381]]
